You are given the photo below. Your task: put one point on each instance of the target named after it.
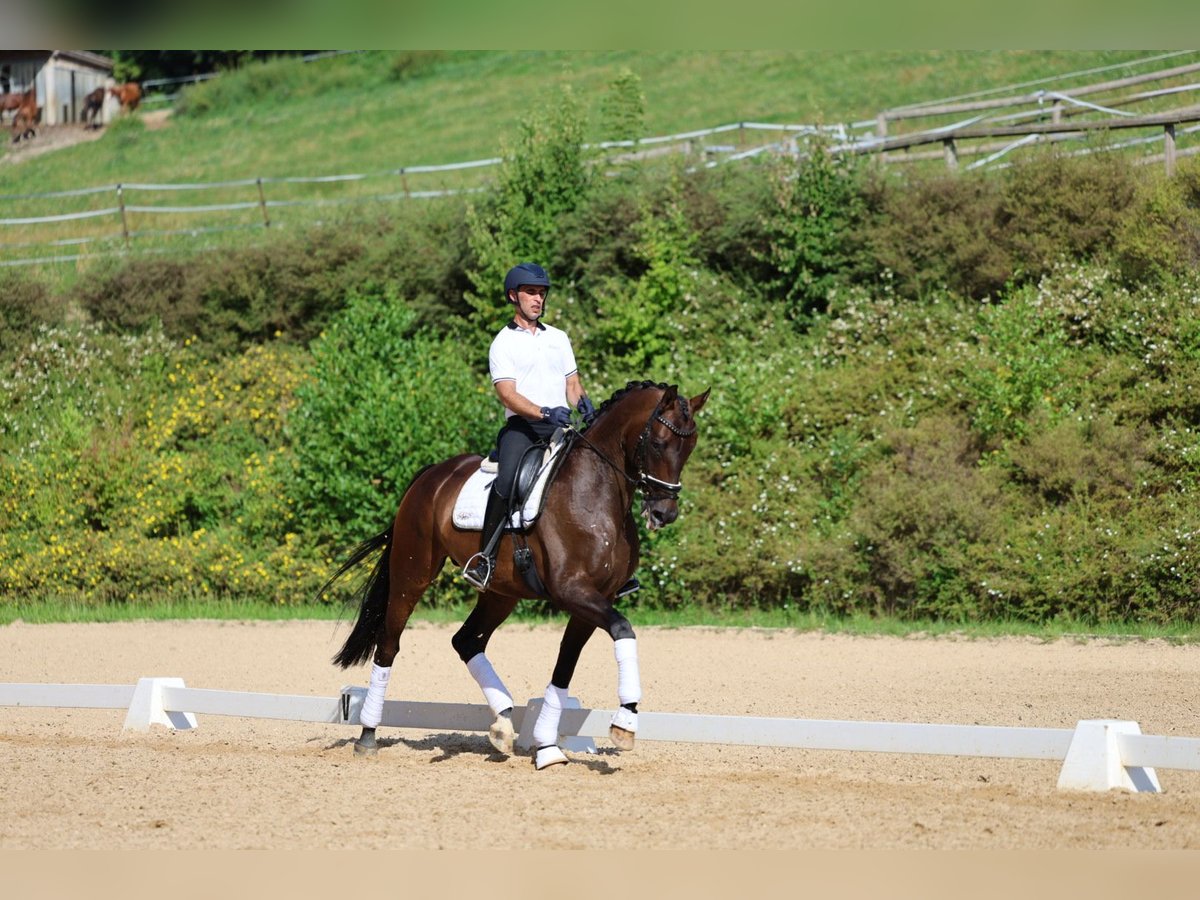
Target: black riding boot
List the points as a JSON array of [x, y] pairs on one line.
[[479, 568]]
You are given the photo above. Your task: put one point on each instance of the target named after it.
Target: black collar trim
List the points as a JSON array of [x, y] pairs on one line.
[[515, 327]]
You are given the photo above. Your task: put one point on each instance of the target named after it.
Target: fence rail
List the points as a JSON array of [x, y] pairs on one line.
[[1047, 115]]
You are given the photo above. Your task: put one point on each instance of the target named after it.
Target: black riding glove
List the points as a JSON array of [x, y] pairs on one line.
[[559, 416], [586, 409]]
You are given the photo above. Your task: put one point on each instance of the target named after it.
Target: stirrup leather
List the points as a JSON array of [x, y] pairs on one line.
[[479, 560]]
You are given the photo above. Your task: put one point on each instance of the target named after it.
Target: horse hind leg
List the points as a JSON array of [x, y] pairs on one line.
[[406, 583], [470, 643]]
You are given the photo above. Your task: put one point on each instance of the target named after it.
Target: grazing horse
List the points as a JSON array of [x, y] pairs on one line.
[[129, 94], [26, 119], [10, 103], [93, 103], [584, 547]]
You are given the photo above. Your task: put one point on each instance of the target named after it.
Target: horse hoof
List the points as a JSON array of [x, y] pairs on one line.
[[621, 737], [366, 745], [549, 756], [361, 749], [501, 733]]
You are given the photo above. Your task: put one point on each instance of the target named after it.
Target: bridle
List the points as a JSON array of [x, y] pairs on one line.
[[652, 488]]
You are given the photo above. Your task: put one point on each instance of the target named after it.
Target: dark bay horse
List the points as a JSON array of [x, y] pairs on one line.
[[584, 544], [93, 104]]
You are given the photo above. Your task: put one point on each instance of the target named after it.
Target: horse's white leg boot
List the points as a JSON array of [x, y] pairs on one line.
[[498, 698], [629, 692], [545, 729], [372, 708]]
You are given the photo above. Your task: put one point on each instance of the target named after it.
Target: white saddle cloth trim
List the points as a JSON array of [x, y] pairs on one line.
[[472, 499]]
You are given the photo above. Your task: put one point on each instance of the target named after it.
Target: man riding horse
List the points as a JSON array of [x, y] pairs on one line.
[[534, 373]]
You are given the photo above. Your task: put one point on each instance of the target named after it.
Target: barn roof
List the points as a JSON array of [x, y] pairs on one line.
[[83, 57]]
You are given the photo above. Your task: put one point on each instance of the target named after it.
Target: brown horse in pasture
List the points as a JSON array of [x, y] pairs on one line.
[[25, 121], [129, 94], [584, 546], [10, 102]]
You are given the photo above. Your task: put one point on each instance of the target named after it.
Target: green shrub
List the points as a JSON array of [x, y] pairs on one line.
[[1158, 237], [938, 231], [636, 321], [1016, 367], [816, 211], [385, 398], [26, 305], [1055, 206], [412, 64], [542, 179], [624, 107], [1083, 460], [230, 300], [923, 509]]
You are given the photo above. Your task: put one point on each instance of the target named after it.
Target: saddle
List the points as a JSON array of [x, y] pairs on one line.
[[537, 470]]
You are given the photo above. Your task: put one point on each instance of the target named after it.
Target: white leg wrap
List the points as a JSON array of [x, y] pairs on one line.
[[545, 729], [629, 682], [494, 691], [372, 708]]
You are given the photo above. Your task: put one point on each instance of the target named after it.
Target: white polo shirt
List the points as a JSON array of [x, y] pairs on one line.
[[539, 363]]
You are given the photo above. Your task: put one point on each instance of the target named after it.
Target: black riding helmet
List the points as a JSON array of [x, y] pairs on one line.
[[525, 273]]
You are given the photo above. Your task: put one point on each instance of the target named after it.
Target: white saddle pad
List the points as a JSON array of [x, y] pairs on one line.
[[468, 508]]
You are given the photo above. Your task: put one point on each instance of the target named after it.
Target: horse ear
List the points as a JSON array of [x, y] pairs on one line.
[[669, 397], [697, 402]]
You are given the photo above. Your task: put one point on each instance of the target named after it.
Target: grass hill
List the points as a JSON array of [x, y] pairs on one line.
[[374, 112], [378, 111]]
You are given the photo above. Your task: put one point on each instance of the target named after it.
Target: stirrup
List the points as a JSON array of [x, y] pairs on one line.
[[480, 583], [629, 587]]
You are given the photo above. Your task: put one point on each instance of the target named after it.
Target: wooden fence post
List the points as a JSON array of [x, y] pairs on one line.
[[881, 125], [1169, 147], [124, 220], [950, 152], [262, 202]]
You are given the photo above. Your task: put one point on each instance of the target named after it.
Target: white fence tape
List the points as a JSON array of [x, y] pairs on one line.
[[62, 217]]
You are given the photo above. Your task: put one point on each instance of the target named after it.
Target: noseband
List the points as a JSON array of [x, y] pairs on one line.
[[666, 490]]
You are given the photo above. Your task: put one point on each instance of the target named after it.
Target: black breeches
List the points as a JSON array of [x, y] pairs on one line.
[[517, 436]]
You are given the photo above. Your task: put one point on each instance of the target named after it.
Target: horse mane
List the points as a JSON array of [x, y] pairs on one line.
[[639, 386]]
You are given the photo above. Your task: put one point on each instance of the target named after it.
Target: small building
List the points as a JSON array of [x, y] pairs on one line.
[[63, 79]]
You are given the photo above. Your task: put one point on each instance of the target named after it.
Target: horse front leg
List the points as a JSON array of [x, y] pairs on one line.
[[629, 681], [546, 751]]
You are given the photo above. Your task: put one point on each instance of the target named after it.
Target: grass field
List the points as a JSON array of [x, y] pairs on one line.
[[351, 114], [375, 112]]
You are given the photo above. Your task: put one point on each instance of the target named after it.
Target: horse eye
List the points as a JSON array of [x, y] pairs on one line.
[[659, 446]]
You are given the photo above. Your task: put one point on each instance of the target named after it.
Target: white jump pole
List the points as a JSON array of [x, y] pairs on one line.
[[1097, 755]]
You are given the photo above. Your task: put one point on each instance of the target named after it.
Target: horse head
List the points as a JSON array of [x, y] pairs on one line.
[[665, 443]]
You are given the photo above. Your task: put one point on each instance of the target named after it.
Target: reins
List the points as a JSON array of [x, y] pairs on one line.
[[644, 480]]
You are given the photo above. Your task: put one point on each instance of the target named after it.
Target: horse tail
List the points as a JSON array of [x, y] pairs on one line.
[[372, 603], [373, 599]]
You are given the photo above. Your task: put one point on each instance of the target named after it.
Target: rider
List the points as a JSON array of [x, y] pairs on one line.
[[534, 373]]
